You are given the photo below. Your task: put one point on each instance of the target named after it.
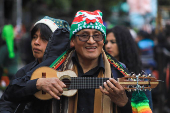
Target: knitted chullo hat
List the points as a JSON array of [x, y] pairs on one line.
[[87, 20], [53, 23], [8, 36]]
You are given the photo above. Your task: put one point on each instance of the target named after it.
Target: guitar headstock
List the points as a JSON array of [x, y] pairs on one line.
[[138, 82]]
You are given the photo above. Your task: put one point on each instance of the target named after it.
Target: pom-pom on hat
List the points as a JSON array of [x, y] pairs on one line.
[[88, 20], [53, 23]]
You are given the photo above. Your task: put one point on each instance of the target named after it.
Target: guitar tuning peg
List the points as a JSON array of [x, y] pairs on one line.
[[128, 75], [150, 89], [149, 75], [139, 75], [143, 75], [145, 89], [133, 75], [129, 90]]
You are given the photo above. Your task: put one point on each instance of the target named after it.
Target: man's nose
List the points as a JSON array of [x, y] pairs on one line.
[[91, 40]]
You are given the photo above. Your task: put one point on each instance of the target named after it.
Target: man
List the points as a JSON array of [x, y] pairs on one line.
[[87, 60], [87, 36]]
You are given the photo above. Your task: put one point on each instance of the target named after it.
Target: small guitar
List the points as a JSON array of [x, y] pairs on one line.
[[73, 83]]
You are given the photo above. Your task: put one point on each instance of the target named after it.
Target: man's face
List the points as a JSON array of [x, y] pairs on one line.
[[89, 50]]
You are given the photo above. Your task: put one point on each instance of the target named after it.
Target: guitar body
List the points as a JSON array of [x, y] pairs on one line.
[[47, 72]]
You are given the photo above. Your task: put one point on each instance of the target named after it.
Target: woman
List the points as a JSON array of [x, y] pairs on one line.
[[41, 34], [120, 44]]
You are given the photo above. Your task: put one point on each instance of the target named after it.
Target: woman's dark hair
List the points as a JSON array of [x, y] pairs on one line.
[[45, 31], [128, 52]]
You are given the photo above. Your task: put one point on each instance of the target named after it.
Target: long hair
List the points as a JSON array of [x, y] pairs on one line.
[[128, 52], [45, 31]]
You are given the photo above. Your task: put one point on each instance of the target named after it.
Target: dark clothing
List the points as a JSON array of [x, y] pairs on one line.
[[9, 63], [86, 96], [5, 105], [22, 89], [12, 96]]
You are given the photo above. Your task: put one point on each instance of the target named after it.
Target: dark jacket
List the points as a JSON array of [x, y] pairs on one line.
[[12, 97]]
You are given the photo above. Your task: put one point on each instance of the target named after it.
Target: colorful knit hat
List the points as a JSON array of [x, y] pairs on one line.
[[8, 36], [88, 20], [53, 23]]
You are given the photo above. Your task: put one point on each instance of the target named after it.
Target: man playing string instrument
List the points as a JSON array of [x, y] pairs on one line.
[[87, 59]]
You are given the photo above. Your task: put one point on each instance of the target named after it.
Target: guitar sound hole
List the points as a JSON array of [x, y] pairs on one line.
[[66, 82]]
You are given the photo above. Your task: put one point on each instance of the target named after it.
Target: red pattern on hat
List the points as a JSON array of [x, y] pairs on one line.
[[88, 20], [95, 16]]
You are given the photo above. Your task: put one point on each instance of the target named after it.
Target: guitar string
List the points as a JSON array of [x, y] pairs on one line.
[[81, 84]]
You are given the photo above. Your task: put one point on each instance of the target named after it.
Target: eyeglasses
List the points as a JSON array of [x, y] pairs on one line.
[[85, 38]]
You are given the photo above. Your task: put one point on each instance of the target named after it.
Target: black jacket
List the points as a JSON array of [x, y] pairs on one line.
[[12, 97]]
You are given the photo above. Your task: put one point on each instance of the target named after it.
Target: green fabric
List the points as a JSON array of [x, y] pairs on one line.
[[140, 103], [5, 62], [88, 20], [53, 23], [60, 23], [139, 97], [8, 36]]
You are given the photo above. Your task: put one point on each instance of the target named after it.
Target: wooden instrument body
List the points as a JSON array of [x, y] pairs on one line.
[[51, 73]]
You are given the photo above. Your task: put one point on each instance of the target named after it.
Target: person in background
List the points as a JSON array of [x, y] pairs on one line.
[[8, 56], [121, 45], [146, 51], [41, 32]]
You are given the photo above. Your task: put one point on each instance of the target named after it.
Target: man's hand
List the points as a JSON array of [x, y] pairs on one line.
[[115, 91], [53, 86]]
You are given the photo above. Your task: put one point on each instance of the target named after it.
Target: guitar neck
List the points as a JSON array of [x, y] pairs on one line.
[[86, 82], [94, 83]]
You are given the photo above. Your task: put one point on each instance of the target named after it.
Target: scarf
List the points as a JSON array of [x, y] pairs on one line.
[[102, 103]]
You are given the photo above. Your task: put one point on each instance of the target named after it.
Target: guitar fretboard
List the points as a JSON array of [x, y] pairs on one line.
[[86, 82]]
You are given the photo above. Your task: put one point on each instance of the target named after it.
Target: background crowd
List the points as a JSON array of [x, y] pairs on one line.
[[149, 27]]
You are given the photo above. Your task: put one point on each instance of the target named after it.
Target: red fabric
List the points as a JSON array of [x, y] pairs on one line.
[[6, 79], [88, 20]]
